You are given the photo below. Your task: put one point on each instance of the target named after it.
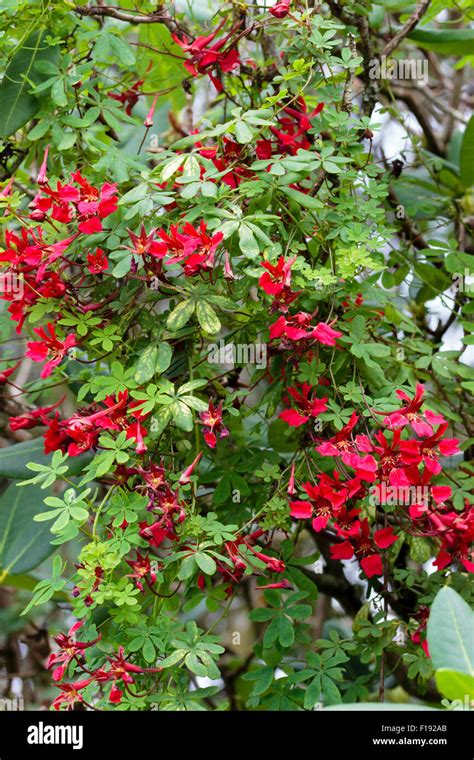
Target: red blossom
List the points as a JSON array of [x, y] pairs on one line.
[[213, 425], [308, 406], [281, 9], [410, 414], [97, 261], [50, 347], [70, 649]]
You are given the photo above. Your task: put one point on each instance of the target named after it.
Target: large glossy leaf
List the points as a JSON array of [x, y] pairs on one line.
[[18, 104], [450, 632], [13, 459], [24, 544], [467, 154], [455, 685], [445, 41], [378, 706]]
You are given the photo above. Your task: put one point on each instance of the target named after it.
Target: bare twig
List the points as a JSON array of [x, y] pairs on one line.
[[417, 14], [156, 17]]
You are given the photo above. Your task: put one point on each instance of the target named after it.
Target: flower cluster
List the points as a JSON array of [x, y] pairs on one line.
[[117, 670], [386, 462]]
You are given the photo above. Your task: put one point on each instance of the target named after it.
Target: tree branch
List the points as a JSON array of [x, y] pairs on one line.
[[156, 17], [417, 14]]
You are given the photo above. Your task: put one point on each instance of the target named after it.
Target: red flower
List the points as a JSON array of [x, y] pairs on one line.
[[81, 431], [120, 670], [155, 534], [277, 277], [341, 442], [365, 548], [409, 414], [298, 327], [205, 57], [70, 693], [129, 97], [310, 407], [325, 499], [89, 203], [149, 117], [281, 9], [94, 204], [33, 418], [144, 243], [427, 450], [6, 373], [71, 649], [49, 347], [97, 261], [213, 426], [185, 477], [142, 570]]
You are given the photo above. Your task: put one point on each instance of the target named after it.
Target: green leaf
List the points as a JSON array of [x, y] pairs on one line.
[[207, 317], [302, 199], [188, 567], [146, 365], [180, 315], [58, 93], [450, 632], [19, 105], [243, 132], [13, 459], [164, 356], [149, 651], [467, 155], [261, 614], [455, 685], [123, 52], [312, 693], [445, 41], [182, 416], [247, 242], [205, 563], [382, 706], [286, 635], [23, 543]]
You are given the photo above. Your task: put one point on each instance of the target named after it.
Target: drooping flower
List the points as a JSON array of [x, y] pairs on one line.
[[149, 117], [206, 55], [364, 547], [325, 499], [70, 694], [213, 425], [70, 649], [308, 406], [409, 414], [97, 261], [298, 327], [35, 417], [281, 8], [128, 97], [49, 347], [120, 671], [142, 570]]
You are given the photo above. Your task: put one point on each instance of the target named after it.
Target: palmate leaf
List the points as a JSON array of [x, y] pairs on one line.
[[19, 105]]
